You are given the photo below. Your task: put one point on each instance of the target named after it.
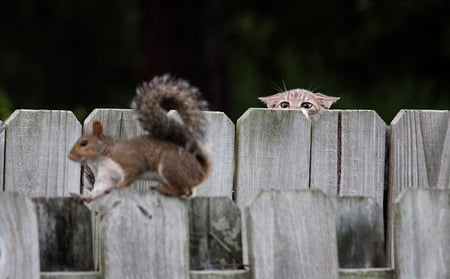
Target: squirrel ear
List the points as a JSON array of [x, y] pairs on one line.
[[97, 129]]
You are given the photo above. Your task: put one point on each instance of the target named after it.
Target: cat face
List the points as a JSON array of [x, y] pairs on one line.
[[308, 102]]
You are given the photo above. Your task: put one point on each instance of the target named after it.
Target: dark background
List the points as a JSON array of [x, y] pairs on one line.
[[79, 55]]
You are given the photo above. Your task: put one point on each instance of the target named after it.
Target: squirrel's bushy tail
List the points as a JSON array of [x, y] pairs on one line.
[[163, 93]]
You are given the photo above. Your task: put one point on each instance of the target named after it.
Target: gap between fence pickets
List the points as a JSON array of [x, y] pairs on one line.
[[339, 153]]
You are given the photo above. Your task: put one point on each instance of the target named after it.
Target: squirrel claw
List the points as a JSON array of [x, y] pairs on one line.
[[80, 198]]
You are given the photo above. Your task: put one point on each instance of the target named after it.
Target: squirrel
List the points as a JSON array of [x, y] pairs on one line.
[[171, 152]]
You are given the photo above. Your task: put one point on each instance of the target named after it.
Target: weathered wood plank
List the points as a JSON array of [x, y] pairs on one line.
[[420, 150], [422, 226], [273, 152], [19, 245], [292, 234], [220, 142], [145, 235], [220, 274], [71, 275], [419, 155], [65, 235], [325, 152], [215, 234], [363, 139], [37, 143], [360, 232], [367, 273]]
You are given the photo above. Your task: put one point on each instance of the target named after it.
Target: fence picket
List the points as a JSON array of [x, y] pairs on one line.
[[273, 152], [292, 234], [37, 143], [363, 154], [325, 152], [19, 244], [145, 235], [420, 150], [422, 225]]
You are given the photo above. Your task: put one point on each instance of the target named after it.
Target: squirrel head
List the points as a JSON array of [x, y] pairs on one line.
[[89, 147]]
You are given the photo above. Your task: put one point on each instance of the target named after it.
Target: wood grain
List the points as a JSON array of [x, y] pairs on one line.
[[420, 150], [145, 235], [363, 148], [37, 143], [422, 226], [273, 152], [220, 135], [292, 234], [19, 244], [325, 152]]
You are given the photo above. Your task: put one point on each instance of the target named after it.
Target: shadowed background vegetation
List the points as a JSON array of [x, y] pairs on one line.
[[79, 55]]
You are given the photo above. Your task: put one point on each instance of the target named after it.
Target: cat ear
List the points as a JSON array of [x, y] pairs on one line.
[[325, 101], [270, 101]]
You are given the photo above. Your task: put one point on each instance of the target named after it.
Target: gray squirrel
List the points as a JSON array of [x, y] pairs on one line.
[[172, 152]]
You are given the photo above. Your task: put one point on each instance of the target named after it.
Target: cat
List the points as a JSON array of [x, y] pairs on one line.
[[308, 102]]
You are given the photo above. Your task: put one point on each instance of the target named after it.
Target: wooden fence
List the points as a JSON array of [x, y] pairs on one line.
[[344, 196]]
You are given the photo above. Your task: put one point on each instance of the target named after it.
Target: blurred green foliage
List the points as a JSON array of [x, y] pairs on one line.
[[78, 55], [381, 55]]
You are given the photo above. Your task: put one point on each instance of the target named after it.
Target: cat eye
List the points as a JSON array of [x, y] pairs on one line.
[[83, 143], [306, 105], [284, 104]]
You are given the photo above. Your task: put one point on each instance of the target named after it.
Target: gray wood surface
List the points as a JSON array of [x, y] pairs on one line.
[[273, 152], [145, 235], [325, 152], [420, 150], [363, 154], [419, 155], [292, 234], [422, 238], [37, 145], [360, 232], [348, 153], [220, 142], [220, 274], [19, 244], [65, 235], [215, 234], [71, 275], [367, 273]]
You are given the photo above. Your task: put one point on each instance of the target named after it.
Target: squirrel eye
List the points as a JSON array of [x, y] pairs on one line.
[[284, 104], [83, 143], [306, 105]]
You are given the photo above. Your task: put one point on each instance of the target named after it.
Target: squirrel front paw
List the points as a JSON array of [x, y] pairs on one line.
[[80, 198]]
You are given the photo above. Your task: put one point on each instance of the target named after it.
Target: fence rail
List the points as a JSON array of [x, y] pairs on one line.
[[314, 196]]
